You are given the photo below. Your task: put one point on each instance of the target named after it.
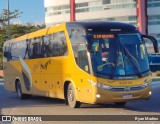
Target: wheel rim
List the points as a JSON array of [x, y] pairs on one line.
[[70, 95]]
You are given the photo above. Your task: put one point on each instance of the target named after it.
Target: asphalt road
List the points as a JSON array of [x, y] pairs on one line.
[[10, 105]]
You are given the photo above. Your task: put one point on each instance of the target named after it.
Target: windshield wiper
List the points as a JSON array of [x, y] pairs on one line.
[[131, 56]]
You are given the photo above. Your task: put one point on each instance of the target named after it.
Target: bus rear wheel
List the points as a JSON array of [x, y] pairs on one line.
[[20, 95], [120, 103], [71, 97]]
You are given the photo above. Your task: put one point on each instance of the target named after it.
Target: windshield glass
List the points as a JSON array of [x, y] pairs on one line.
[[118, 55]]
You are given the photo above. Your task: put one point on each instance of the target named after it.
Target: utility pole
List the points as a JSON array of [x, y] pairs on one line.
[[142, 16], [72, 11], [8, 17]]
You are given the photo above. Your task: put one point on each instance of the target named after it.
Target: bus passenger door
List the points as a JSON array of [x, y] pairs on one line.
[[82, 61]]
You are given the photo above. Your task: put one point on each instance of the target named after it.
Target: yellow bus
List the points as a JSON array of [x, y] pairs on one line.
[[81, 62]]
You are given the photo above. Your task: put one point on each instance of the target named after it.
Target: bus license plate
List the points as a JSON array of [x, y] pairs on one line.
[[127, 96]]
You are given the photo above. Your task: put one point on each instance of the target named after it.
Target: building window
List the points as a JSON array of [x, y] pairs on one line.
[[92, 6], [154, 17], [154, 23], [153, 3], [106, 2], [81, 4]]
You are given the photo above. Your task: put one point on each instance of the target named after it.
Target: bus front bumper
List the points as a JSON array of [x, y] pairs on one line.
[[101, 96]]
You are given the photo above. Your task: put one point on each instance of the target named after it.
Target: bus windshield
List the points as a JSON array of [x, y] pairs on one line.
[[119, 56]]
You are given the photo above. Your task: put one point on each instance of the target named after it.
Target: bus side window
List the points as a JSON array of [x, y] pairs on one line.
[[22, 49], [46, 48], [14, 50], [37, 48], [7, 53], [58, 44], [30, 48], [26, 54], [43, 46], [55, 45], [5, 50]]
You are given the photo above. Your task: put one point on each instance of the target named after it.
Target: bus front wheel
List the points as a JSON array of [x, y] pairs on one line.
[[71, 97]]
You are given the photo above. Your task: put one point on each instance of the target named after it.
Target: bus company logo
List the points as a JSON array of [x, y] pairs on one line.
[[45, 65], [127, 89], [42, 66], [36, 66], [115, 29]]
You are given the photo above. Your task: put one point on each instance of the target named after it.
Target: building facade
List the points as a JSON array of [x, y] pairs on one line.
[[143, 14]]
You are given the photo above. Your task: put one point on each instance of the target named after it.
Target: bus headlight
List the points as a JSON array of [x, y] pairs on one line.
[[102, 86], [105, 87], [146, 84]]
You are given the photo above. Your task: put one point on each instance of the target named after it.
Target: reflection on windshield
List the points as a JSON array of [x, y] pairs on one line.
[[122, 55]]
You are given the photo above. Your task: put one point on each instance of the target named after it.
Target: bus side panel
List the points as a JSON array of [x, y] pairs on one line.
[[36, 75], [52, 75], [61, 69]]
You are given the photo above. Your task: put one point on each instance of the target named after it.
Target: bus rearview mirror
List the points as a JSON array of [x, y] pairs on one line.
[[154, 41]]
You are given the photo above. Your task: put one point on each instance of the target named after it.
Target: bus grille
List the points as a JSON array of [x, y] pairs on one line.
[[131, 88]]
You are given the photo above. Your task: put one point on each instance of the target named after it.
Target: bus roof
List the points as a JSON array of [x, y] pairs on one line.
[[104, 26], [41, 32]]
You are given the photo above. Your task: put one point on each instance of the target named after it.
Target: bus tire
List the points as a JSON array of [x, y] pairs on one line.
[[120, 103], [71, 97], [20, 95]]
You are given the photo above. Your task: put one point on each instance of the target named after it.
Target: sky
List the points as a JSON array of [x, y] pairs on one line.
[[33, 10]]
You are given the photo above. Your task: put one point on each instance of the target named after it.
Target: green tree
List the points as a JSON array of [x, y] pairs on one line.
[[4, 15], [16, 29], [3, 19]]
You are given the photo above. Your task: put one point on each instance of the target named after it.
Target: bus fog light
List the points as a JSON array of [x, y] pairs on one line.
[[150, 93], [98, 95]]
